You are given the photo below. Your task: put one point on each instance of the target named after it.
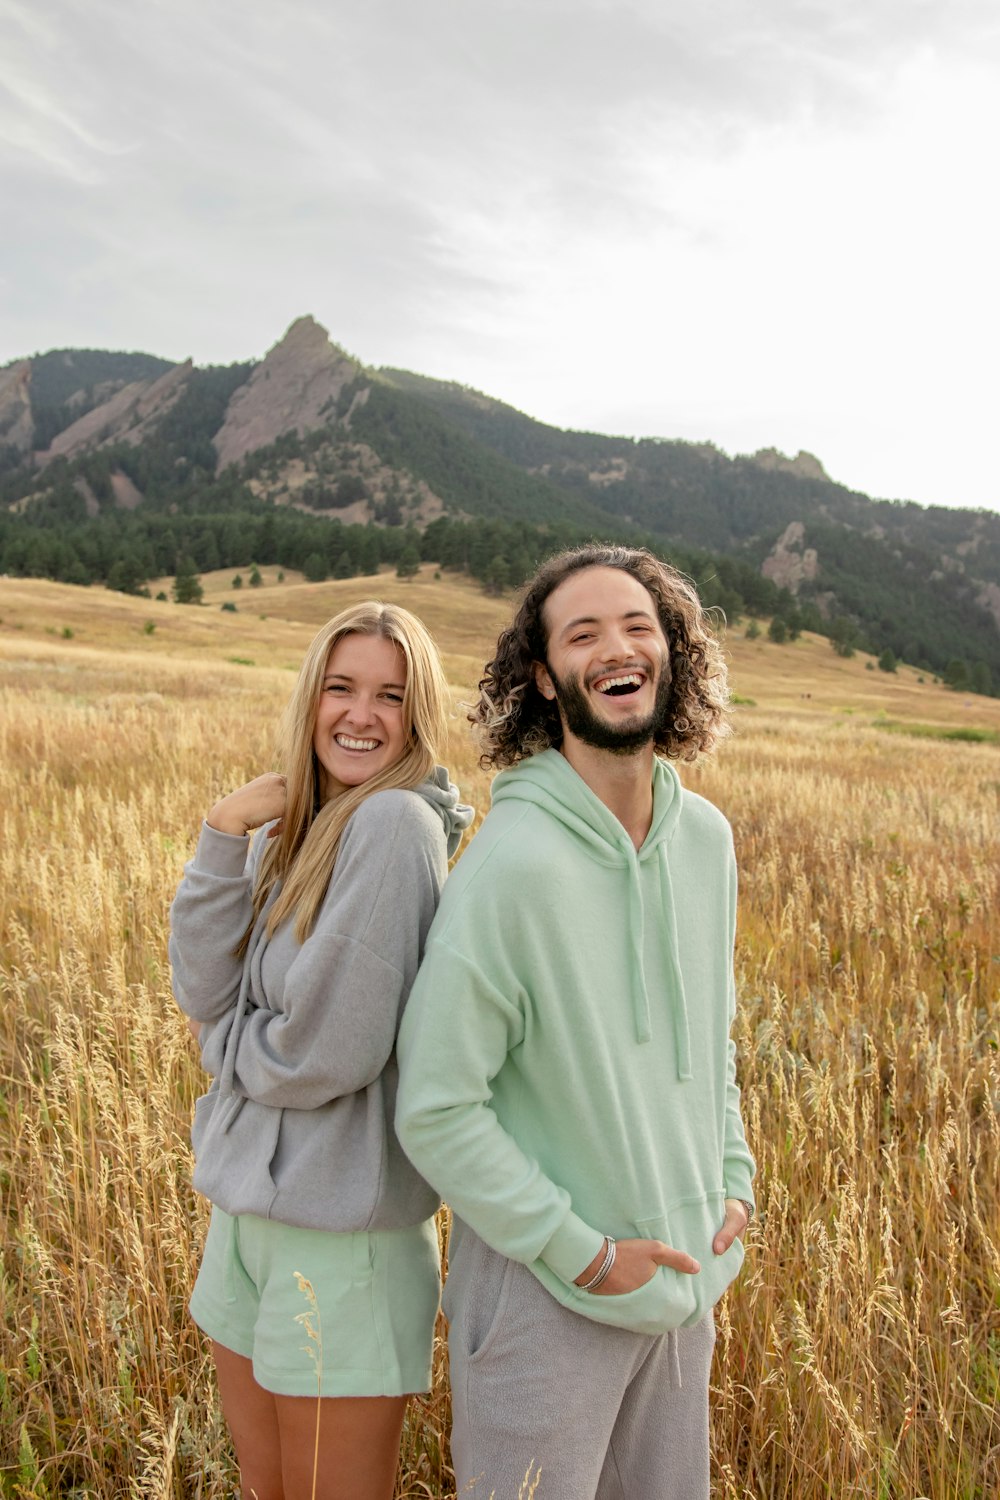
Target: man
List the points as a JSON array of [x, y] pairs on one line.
[[568, 1080]]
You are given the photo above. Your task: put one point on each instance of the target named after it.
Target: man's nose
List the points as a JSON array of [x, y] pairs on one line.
[[617, 646]]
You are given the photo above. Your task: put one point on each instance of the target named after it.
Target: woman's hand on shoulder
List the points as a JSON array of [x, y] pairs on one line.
[[250, 806]]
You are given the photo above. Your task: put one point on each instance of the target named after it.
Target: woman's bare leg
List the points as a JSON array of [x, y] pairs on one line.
[[252, 1419], [358, 1446], [275, 1438]]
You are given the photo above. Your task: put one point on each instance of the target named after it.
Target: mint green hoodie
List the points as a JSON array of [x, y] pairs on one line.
[[566, 1069]]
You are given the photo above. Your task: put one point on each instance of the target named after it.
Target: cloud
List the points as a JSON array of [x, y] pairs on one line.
[[568, 204]]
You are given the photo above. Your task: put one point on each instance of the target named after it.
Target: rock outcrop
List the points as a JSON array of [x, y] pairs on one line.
[[17, 426], [989, 598], [129, 416], [804, 465], [295, 388], [791, 564]]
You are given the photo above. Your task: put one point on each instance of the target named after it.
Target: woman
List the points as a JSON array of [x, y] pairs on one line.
[[293, 955]]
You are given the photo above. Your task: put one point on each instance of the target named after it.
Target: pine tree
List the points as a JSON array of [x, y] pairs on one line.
[[187, 587], [409, 562], [982, 679]]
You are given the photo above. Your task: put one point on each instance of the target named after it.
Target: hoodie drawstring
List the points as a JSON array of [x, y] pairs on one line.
[[637, 936], [682, 1029]]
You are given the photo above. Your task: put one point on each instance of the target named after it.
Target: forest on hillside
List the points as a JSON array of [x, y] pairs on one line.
[[892, 579]]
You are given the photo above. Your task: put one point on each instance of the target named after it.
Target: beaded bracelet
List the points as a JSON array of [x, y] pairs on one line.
[[604, 1268]]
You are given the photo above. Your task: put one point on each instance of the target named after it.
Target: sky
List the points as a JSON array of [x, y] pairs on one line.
[[758, 225]]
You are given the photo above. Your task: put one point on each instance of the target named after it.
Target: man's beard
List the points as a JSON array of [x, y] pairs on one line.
[[624, 738]]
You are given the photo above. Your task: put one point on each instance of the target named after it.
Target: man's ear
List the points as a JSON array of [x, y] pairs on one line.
[[543, 682]]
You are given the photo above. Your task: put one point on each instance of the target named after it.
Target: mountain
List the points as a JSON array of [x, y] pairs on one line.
[[114, 465], [695, 493]]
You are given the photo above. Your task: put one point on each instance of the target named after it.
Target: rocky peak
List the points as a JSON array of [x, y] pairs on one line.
[[295, 388], [128, 416], [17, 426], [804, 465]]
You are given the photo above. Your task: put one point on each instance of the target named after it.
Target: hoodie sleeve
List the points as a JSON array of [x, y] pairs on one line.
[[738, 1166], [331, 1030], [208, 917], [455, 1139]]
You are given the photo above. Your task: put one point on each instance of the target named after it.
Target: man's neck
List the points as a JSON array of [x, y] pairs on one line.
[[624, 783]]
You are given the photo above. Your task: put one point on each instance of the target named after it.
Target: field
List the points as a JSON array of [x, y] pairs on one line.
[[858, 1356]]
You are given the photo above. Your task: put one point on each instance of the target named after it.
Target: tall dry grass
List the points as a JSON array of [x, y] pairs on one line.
[[859, 1354]]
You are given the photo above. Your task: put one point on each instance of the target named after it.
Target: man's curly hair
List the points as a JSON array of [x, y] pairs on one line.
[[515, 721]]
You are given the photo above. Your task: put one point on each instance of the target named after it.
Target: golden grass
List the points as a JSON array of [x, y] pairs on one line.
[[859, 1354]]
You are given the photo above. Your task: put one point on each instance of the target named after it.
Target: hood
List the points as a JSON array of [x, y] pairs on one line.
[[442, 795], [548, 781]]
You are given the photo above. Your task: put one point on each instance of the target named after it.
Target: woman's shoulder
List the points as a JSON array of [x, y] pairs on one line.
[[396, 811], [393, 844]]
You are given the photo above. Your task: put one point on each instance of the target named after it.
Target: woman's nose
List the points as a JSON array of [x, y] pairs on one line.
[[360, 711]]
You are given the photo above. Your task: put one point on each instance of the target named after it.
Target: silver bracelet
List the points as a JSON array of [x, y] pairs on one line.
[[604, 1267]]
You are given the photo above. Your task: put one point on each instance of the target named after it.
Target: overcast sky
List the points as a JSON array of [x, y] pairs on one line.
[[759, 224]]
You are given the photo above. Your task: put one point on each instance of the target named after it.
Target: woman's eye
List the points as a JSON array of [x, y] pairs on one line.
[[394, 698]]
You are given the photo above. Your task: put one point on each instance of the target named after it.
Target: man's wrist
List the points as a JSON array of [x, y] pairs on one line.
[[572, 1249], [590, 1283]]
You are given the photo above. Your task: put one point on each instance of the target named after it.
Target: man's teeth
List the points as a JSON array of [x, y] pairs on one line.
[[346, 743], [632, 680]]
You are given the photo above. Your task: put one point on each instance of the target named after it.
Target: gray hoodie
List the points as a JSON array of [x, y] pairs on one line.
[[300, 1037]]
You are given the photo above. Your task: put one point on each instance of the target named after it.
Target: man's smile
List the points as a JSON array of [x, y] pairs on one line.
[[620, 685]]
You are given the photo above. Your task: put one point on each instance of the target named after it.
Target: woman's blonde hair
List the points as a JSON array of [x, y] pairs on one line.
[[302, 855]]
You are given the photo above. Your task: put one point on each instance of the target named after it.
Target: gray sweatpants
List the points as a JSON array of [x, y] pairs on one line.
[[542, 1394]]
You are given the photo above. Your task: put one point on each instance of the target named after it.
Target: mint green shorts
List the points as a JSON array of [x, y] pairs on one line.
[[367, 1329]]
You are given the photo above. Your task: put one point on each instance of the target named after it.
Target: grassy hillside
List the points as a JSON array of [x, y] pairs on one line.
[[857, 1355], [803, 679]]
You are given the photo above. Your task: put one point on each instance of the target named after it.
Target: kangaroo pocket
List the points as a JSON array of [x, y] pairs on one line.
[[670, 1299], [234, 1142]]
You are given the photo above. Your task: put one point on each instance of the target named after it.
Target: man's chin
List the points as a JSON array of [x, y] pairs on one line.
[[627, 737], [586, 721]]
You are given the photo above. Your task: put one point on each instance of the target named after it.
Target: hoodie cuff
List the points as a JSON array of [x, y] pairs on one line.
[[221, 853], [740, 1186], [571, 1249]]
